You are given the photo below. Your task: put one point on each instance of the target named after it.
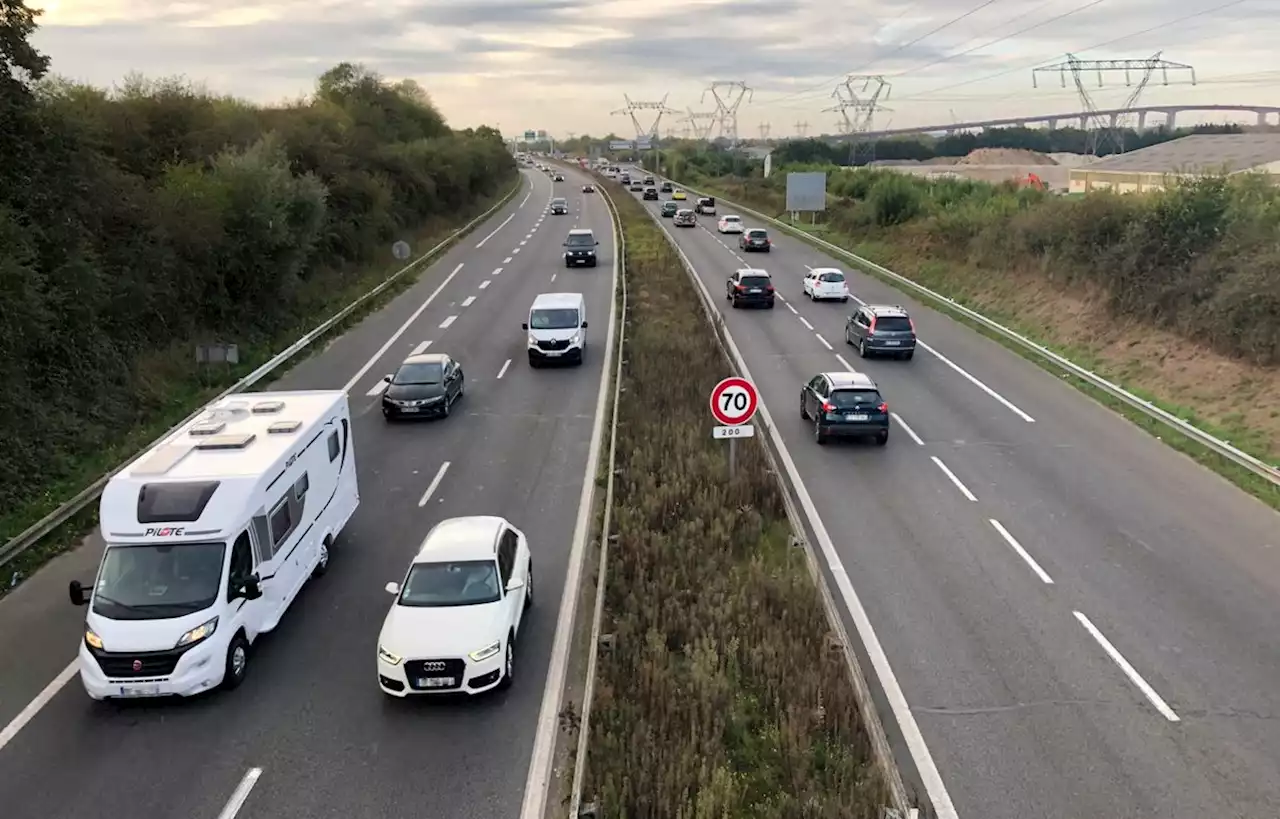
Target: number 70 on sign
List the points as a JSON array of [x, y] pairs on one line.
[[733, 404]]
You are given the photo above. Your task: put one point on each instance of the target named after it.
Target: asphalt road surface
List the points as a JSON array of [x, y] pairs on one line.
[[1084, 622], [310, 715]]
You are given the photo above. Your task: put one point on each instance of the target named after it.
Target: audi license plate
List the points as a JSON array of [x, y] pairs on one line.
[[139, 690], [855, 417], [437, 682]]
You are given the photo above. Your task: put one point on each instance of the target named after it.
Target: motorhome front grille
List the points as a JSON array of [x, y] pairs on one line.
[[119, 665]]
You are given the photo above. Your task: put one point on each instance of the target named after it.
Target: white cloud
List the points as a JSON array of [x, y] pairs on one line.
[[564, 65]]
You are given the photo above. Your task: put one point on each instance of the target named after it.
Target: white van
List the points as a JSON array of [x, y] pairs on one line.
[[210, 535], [557, 328]]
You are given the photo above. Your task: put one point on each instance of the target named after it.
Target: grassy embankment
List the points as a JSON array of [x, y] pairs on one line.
[[1175, 295], [722, 694]]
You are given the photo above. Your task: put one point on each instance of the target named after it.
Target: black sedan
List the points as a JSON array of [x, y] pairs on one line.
[[588, 188], [426, 385]]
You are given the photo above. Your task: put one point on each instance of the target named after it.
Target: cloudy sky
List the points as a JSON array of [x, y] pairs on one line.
[[565, 65]]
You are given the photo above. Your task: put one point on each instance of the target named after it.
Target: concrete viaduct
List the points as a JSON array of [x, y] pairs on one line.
[[1168, 112]]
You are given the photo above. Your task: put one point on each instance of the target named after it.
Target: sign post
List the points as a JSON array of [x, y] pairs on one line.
[[734, 402]]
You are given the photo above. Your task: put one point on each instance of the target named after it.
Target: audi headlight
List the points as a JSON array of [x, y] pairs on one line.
[[199, 633], [387, 657], [486, 652], [91, 637]]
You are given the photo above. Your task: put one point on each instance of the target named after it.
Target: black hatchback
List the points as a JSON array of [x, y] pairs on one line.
[[845, 405], [750, 287], [755, 239]]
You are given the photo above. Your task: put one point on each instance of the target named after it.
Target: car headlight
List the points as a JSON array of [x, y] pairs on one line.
[[576, 340], [387, 657], [198, 633], [533, 339], [91, 637], [486, 652]]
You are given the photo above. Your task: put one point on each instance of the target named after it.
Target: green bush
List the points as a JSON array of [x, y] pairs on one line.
[[722, 695], [140, 222]]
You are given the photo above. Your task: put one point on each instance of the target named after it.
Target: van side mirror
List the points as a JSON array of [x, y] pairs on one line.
[[392, 588], [597, 243], [252, 588], [584, 325], [75, 590], [515, 584], [524, 326]]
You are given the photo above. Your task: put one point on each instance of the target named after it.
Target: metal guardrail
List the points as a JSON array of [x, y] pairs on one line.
[[1225, 449], [37, 531], [597, 617]]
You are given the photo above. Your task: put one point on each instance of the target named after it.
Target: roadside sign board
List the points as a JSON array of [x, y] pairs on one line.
[[734, 401], [743, 431], [530, 136]]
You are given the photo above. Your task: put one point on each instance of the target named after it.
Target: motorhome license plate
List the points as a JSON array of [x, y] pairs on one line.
[[139, 690], [855, 417], [436, 682]]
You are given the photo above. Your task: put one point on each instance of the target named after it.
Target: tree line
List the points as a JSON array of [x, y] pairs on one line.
[[139, 221]]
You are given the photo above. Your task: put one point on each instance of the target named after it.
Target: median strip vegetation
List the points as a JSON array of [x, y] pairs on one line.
[[1172, 294], [721, 688], [140, 223]]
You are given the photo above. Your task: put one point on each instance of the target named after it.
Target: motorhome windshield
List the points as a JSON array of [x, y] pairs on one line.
[[157, 581], [564, 318]]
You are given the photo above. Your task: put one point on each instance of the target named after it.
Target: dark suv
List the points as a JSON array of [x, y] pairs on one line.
[[880, 329], [669, 208], [845, 405], [750, 286], [580, 248], [755, 239], [651, 193]]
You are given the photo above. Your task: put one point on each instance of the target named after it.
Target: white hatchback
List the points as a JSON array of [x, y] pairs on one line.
[[456, 617], [826, 284], [731, 224]]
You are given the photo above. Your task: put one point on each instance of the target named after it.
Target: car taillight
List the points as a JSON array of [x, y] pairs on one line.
[[768, 288], [912, 324], [827, 406], [884, 407], [740, 287]]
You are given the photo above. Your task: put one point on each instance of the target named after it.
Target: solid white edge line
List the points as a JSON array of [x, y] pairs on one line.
[[1129, 670], [505, 222], [42, 699], [541, 760], [905, 427], [964, 490], [973, 380], [241, 794], [434, 485], [468, 301], [377, 389], [421, 348], [505, 365], [912, 737], [403, 327], [1022, 553], [444, 325]]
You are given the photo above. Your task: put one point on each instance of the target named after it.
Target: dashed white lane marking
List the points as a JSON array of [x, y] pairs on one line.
[[468, 301], [846, 364], [804, 321], [504, 261], [434, 485], [794, 311], [964, 490], [553, 277], [444, 325], [523, 242], [377, 389], [503, 371], [905, 428], [825, 343], [421, 348], [1022, 553], [241, 794], [514, 252], [485, 283], [495, 230], [1129, 670]]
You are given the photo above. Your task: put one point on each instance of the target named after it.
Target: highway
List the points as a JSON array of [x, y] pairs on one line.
[[1084, 623], [310, 715]]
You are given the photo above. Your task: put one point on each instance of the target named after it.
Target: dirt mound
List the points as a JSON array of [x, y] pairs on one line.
[[1006, 156]]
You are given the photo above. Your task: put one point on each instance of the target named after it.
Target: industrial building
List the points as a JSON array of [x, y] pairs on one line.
[[1155, 167]]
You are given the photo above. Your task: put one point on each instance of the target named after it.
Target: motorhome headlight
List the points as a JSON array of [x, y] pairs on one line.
[[486, 652], [91, 638], [387, 657], [199, 633]]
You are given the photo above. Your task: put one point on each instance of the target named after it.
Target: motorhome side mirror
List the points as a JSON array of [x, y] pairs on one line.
[[75, 590], [392, 588], [514, 584], [525, 326]]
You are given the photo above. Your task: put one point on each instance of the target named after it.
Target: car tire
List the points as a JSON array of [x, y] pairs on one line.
[[848, 339], [769, 306], [237, 663], [804, 413], [819, 436], [508, 663], [862, 348], [734, 302], [909, 356], [447, 408], [534, 363], [844, 299], [882, 438], [528, 586]]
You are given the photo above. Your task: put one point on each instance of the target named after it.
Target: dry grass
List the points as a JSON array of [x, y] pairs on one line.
[[721, 695]]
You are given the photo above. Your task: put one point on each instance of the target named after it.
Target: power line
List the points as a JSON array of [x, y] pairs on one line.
[[908, 44]]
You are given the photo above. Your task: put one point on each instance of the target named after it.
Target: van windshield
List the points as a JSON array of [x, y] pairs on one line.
[[564, 318], [581, 240], [156, 581]]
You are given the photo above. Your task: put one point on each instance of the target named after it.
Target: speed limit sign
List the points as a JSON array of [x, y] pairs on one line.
[[734, 401]]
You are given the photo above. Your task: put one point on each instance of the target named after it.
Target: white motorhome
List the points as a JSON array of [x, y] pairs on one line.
[[210, 535]]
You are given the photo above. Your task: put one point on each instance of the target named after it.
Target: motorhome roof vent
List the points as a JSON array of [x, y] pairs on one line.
[[267, 407], [161, 460], [284, 427], [230, 413], [227, 441], [204, 428]]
